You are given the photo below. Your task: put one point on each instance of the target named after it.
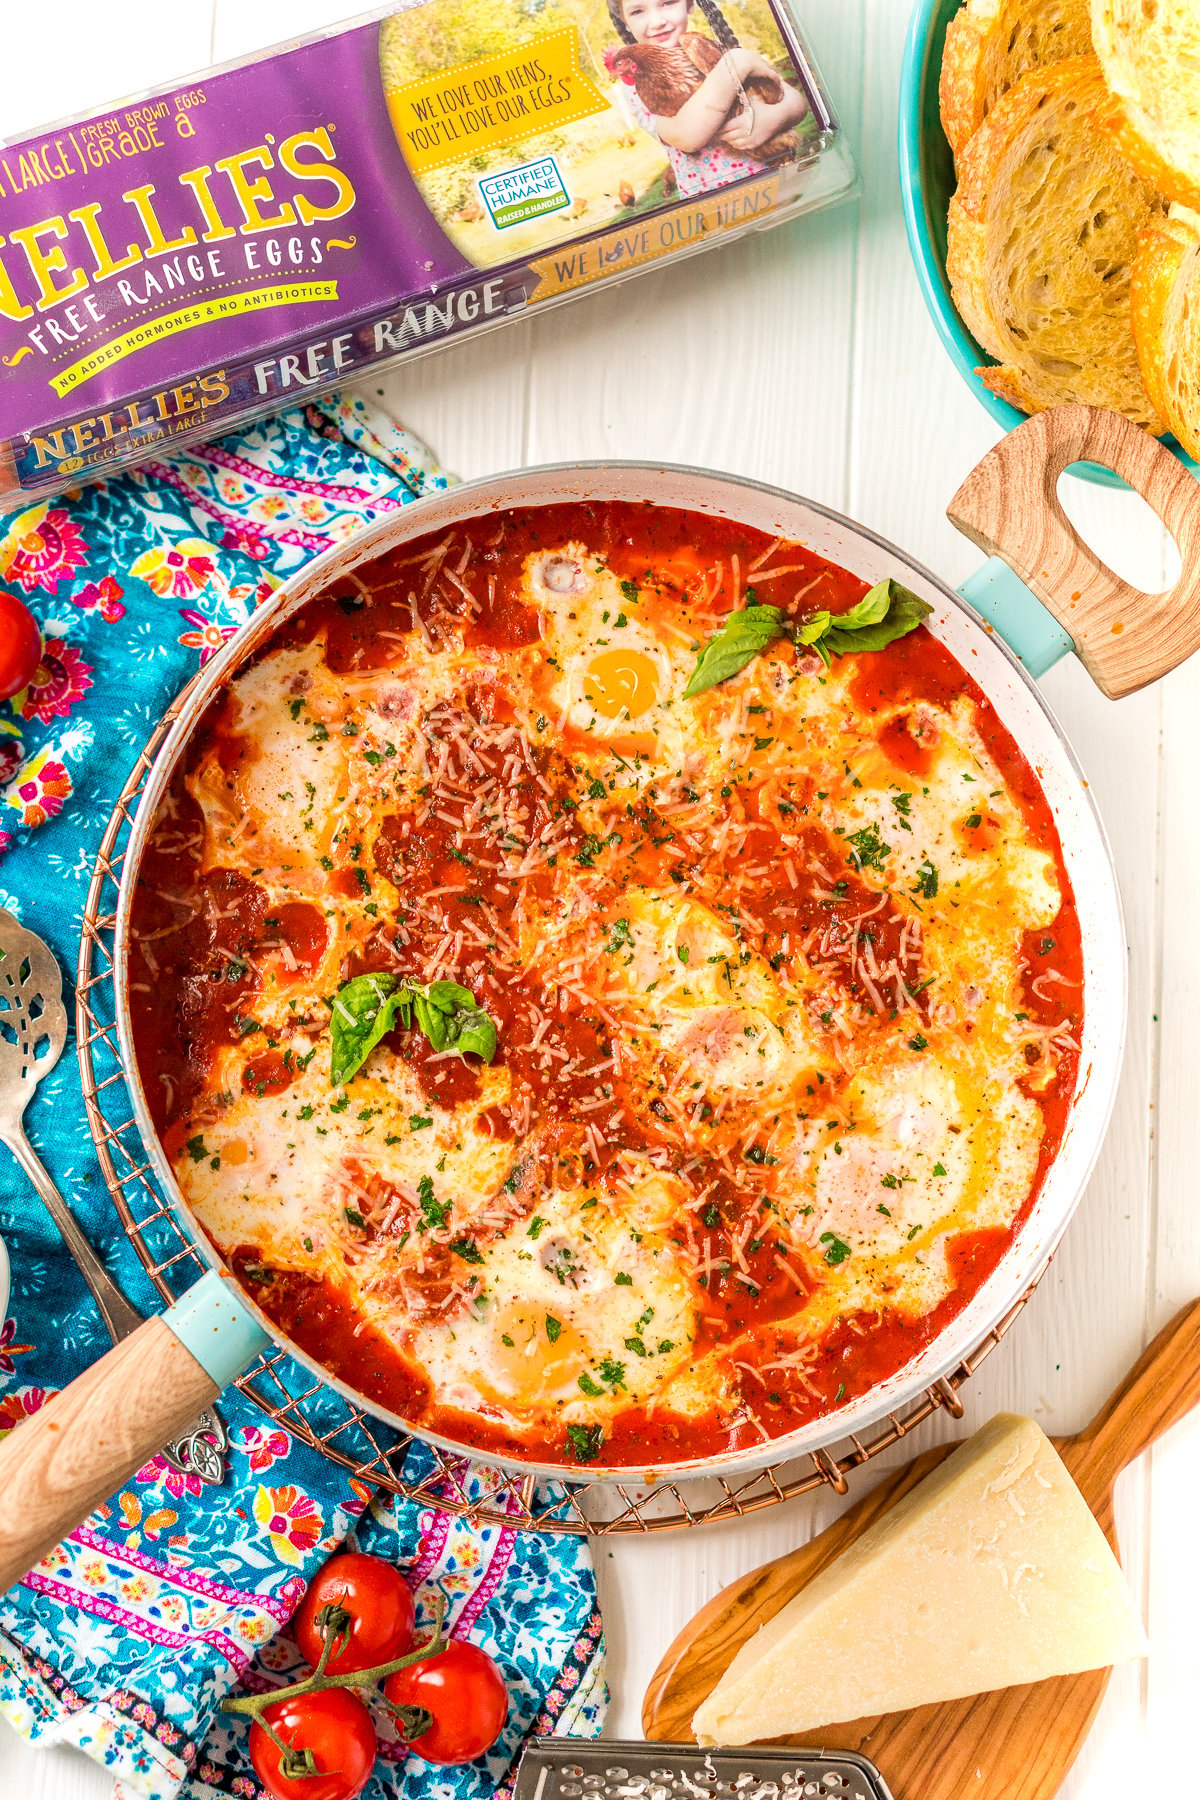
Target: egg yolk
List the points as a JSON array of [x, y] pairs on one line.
[[620, 681], [530, 1364]]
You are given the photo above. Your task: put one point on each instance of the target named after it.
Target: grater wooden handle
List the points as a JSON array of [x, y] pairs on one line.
[[1162, 1388]]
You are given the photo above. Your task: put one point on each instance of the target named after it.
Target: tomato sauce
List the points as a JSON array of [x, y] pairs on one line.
[[193, 961]]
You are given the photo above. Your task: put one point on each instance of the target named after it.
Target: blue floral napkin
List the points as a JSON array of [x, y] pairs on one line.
[[125, 1639]]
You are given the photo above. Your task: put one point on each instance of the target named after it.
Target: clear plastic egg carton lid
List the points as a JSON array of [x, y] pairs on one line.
[[574, 1769]]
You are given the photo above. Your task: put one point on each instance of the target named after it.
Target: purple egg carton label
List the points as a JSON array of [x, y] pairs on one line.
[[267, 231]]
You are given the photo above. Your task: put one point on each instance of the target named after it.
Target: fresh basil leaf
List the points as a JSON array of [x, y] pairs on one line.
[[812, 629], [430, 1020], [886, 613], [869, 610], [367, 1007], [742, 637], [363, 1010], [476, 1034], [448, 997], [902, 612]]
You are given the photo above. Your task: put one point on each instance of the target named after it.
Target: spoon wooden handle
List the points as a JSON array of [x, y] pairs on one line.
[[1161, 1388]]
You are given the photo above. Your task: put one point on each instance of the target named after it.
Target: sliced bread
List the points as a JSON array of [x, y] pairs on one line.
[[991, 43], [1150, 53], [1043, 233], [1166, 320]]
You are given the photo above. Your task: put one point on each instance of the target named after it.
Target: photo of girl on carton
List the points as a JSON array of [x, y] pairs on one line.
[[721, 112]]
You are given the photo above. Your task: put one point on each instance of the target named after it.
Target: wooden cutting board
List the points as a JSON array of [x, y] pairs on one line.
[[1013, 1744]]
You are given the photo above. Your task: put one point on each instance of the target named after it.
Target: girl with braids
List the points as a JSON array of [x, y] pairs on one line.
[[712, 137]]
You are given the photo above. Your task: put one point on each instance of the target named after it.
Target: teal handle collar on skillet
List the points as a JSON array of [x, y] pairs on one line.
[[1032, 633], [211, 1321]]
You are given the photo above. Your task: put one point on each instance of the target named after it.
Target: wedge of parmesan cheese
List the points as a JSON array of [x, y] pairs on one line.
[[991, 1573]]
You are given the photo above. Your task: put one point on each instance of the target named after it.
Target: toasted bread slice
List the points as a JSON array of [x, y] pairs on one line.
[[992, 43], [1150, 54], [1043, 235], [1166, 320]]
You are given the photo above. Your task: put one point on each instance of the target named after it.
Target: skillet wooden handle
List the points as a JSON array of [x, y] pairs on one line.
[[63, 1461], [1162, 1388], [1009, 506]]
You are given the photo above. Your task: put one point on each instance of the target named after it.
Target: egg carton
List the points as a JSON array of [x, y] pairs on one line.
[[572, 1769]]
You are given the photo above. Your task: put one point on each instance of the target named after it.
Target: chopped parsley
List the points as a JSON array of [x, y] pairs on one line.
[[586, 1441], [417, 1123], [553, 1328], [434, 1212], [927, 881], [619, 937], [837, 1251], [591, 1388], [467, 1249], [869, 850]]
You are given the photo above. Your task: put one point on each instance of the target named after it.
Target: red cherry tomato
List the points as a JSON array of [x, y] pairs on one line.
[[465, 1692], [20, 645], [379, 1602], [337, 1729]]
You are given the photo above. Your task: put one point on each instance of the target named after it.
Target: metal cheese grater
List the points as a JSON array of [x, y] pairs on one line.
[[575, 1769]]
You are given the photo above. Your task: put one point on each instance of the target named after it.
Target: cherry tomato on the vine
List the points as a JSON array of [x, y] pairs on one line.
[[464, 1691], [336, 1727], [20, 645], [378, 1601]]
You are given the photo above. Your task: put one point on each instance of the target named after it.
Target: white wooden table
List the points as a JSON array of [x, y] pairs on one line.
[[804, 357]]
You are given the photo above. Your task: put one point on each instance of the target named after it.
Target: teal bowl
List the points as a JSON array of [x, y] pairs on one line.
[[926, 184]]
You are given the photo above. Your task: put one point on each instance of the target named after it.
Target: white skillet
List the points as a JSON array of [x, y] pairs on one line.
[[79, 1448]]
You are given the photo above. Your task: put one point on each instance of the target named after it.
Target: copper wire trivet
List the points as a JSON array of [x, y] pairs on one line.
[[371, 1452]]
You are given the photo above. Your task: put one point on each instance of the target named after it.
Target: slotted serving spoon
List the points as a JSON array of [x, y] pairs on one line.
[[33, 1030]]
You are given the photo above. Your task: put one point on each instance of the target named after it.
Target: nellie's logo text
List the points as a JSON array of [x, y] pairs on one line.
[[160, 415], [293, 184]]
